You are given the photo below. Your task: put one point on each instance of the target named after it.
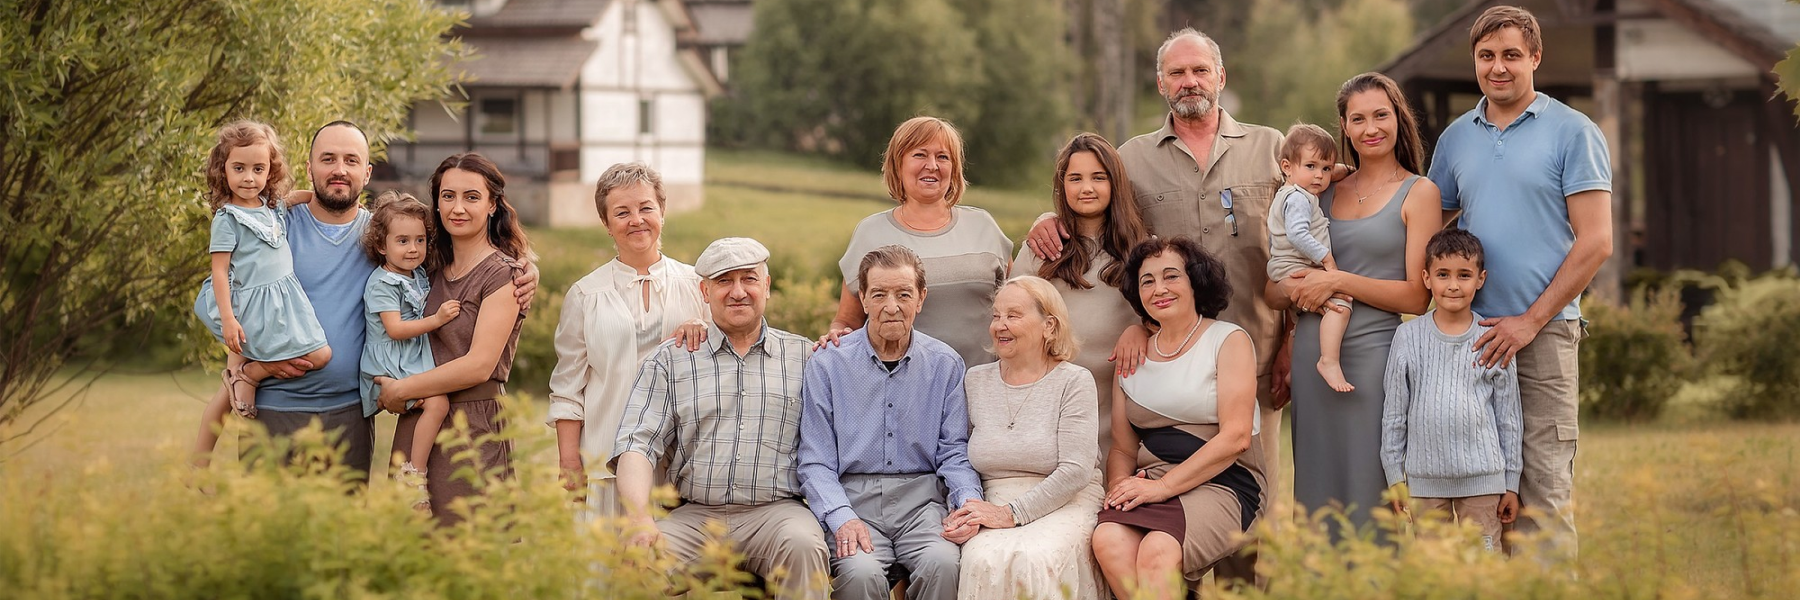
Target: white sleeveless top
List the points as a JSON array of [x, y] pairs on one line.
[[1186, 388]]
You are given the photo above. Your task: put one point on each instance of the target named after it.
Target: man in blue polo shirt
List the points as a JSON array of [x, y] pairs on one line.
[[325, 237], [1533, 177]]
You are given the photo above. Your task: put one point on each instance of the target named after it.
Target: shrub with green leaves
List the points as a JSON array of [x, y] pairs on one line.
[[307, 529], [1750, 333], [1634, 358]]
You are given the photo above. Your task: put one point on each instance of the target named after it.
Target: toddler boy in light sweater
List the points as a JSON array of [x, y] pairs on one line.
[[1450, 428]]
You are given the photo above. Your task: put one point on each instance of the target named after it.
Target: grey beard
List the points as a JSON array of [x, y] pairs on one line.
[[1192, 111]]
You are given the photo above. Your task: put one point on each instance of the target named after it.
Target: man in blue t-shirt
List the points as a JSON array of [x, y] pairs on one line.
[[325, 237], [1533, 176]]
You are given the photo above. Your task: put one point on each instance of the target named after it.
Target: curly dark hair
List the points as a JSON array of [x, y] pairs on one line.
[[1212, 291], [387, 206], [239, 134]]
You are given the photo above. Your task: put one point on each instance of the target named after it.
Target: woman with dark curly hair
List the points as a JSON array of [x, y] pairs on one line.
[[1183, 478]]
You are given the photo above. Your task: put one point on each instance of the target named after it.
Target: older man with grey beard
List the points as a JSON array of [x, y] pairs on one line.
[[1206, 176]]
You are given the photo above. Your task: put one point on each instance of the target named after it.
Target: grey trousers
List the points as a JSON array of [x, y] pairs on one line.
[[905, 516], [347, 429]]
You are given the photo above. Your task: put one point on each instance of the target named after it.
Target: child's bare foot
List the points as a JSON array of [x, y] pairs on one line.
[[1334, 375]]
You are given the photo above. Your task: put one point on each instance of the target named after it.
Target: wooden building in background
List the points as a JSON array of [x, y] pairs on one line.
[[1705, 152]]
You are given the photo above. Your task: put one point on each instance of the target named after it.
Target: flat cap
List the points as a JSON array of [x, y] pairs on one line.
[[730, 254]]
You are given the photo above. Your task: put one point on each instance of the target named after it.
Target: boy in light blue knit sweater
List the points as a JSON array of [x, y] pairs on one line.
[[1450, 428]]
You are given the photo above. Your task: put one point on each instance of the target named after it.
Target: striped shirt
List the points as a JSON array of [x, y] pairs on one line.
[[863, 419], [733, 421]]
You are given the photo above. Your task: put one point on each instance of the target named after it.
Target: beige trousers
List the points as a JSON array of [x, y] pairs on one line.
[[1549, 401], [1483, 511], [780, 535]]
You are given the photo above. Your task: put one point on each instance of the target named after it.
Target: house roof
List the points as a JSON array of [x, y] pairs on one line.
[[722, 23], [553, 62], [543, 14], [1759, 31]]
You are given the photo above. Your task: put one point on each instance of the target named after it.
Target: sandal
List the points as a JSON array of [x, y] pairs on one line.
[[243, 408], [237, 406]]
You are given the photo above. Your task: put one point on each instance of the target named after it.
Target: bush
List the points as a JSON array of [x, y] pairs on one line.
[[304, 530], [1634, 358], [1749, 333], [1645, 553], [804, 307]]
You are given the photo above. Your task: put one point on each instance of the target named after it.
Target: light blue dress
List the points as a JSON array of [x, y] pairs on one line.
[[388, 291], [266, 298]]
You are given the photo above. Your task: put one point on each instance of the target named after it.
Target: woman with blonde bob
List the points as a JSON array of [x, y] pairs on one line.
[[611, 320], [965, 253], [1033, 424]]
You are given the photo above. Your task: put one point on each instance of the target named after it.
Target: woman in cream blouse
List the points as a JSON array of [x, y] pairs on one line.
[[611, 319]]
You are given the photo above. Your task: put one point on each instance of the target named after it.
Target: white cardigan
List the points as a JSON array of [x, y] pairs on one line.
[[604, 334]]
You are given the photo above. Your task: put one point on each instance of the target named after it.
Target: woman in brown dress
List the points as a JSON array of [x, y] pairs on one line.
[[476, 246], [1183, 477]]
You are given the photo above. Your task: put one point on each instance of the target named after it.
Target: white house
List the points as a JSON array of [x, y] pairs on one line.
[[560, 90]]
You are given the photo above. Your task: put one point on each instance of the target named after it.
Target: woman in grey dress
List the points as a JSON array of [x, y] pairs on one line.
[[1381, 217]]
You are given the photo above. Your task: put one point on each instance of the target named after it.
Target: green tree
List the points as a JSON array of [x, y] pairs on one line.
[[1298, 53], [835, 77], [106, 112], [1024, 110]]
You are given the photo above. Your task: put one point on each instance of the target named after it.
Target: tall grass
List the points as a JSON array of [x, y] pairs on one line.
[[309, 529]]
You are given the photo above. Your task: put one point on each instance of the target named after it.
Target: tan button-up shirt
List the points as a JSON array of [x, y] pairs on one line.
[[1224, 205]]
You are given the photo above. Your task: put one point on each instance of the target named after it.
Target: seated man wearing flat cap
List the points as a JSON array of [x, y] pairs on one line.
[[731, 414]]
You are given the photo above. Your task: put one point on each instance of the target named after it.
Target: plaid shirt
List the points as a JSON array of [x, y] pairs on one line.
[[733, 421]]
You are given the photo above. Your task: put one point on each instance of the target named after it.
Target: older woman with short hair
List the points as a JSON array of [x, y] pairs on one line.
[[965, 253], [1032, 418], [611, 320]]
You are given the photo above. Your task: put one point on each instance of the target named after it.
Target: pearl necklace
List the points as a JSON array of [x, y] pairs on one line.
[[1156, 342]]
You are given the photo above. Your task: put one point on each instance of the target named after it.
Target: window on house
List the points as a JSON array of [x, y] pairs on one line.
[[646, 117], [499, 116]]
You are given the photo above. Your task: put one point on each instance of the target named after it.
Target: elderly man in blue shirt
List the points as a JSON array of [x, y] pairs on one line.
[[884, 442]]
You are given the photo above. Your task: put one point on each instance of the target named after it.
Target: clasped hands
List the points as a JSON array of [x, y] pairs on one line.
[[1137, 490]]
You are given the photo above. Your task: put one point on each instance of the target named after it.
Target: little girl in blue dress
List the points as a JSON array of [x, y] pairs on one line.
[[395, 326], [252, 302]]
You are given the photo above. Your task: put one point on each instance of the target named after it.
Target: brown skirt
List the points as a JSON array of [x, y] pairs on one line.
[[1204, 521], [484, 418]]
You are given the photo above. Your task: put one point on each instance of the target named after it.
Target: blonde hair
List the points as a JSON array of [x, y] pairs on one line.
[[626, 174], [1060, 344], [916, 132]]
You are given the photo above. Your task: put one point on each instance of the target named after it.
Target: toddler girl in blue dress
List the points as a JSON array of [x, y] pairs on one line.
[[395, 326], [252, 302]]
